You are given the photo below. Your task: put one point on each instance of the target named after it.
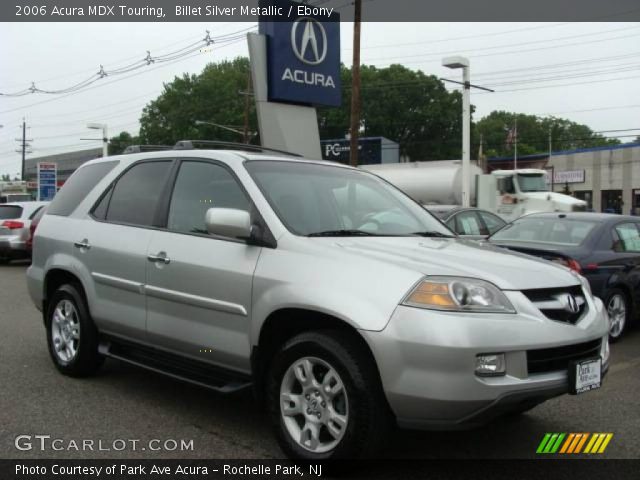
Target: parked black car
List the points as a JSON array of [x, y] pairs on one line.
[[467, 221], [605, 248]]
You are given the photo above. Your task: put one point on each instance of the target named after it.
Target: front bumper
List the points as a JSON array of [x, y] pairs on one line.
[[427, 361]]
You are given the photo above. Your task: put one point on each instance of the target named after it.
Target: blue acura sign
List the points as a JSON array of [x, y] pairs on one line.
[[303, 56]]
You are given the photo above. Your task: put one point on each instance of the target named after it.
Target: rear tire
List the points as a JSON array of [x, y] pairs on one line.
[[72, 337], [325, 399], [619, 311]]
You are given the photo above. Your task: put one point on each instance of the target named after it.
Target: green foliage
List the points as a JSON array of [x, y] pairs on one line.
[[212, 96], [404, 105], [118, 143], [533, 134], [5, 177]]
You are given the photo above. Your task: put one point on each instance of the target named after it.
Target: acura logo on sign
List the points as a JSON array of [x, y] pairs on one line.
[[572, 304], [311, 46]]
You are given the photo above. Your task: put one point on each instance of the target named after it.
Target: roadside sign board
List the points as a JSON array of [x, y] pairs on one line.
[[47, 181], [303, 55]]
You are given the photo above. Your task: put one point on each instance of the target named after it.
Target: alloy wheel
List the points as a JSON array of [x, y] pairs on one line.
[[314, 405], [617, 310], [65, 331]]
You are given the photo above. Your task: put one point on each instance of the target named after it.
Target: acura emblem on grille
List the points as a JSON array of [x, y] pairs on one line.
[[572, 304]]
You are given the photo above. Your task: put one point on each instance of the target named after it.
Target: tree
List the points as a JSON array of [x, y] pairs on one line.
[[118, 143], [404, 105], [533, 134], [212, 96], [6, 177]]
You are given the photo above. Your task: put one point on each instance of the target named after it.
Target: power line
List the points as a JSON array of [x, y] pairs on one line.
[[141, 63], [521, 44]]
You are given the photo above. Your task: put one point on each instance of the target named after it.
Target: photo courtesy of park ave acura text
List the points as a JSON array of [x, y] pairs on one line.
[[287, 238]]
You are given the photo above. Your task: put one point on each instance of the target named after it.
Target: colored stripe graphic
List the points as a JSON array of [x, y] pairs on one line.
[[567, 443], [581, 444], [607, 439], [543, 442], [574, 443]]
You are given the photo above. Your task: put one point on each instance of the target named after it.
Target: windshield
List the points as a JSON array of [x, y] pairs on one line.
[[546, 230], [532, 182], [313, 199]]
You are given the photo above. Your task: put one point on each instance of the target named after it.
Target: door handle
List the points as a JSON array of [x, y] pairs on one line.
[[161, 257], [83, 244]]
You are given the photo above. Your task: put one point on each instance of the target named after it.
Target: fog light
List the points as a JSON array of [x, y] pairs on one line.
[[490, 365]]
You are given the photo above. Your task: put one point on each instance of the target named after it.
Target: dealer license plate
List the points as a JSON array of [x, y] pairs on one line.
[[585, 375]]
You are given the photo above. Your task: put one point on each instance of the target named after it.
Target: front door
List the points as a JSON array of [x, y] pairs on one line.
[[199, 285]]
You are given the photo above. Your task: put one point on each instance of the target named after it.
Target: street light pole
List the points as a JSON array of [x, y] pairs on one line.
[[105, 136], [463, 63], [355, 87]]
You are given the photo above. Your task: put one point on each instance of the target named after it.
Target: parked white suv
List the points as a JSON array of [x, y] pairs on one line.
[[345, 304]]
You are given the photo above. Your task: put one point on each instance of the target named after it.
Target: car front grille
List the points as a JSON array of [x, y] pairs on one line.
[[555, 303], [554, 359]]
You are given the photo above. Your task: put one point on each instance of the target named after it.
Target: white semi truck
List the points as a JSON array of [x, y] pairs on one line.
[[15, 191], [508, 193]]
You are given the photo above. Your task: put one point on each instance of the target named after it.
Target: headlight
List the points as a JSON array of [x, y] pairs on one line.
[[459, 294]]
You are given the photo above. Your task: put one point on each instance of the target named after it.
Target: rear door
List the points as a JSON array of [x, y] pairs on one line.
[[199, 285], [113, 246]]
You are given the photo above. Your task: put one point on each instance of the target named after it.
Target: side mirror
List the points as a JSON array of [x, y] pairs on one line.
[[228, 222]]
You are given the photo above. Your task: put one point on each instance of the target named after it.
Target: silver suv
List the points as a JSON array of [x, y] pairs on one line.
[[344, 304]]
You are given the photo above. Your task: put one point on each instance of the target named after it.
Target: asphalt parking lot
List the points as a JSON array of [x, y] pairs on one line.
[[127, 403]]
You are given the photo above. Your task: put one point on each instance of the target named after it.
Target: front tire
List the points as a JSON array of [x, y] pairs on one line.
[[619, 311], [325, 399], [72, 337]]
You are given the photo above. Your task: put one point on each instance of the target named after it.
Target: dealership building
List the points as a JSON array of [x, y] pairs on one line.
[[607, 178]]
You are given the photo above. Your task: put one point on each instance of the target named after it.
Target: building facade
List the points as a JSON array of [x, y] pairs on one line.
[[67, 163]]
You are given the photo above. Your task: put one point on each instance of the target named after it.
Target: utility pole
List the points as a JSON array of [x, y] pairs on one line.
[[355, 85], [247, 105], [515, 150], [23, 148], [550, 144], [481, 154]]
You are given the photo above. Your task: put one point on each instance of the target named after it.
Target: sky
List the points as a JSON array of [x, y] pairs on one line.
[[586, 72]]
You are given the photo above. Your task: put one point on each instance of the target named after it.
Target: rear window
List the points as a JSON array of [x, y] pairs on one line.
[[78, 186], [9, 212], [546, 230]]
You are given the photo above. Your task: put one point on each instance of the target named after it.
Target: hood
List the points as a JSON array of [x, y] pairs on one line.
[[556, 197], [443, 256]]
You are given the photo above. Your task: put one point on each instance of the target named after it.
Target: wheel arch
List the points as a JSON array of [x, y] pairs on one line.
[[56, 277], [285, 323]]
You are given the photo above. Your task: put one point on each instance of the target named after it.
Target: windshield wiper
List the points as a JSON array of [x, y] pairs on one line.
[[340, 233], [433, 233]]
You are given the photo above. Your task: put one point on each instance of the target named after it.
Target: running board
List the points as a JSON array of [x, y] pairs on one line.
[[181, 368]]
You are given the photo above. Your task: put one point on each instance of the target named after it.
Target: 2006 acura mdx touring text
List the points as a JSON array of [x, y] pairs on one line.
[[345, 305]]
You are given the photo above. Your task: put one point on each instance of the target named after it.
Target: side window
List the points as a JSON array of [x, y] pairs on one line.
[[78, 186], [626, 238], [493, 222], [135, 195], [199, 187], [469, 224], [505, 185]]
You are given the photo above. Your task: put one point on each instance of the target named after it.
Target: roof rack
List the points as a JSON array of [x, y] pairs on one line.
[[191, 145], [145, 148]]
